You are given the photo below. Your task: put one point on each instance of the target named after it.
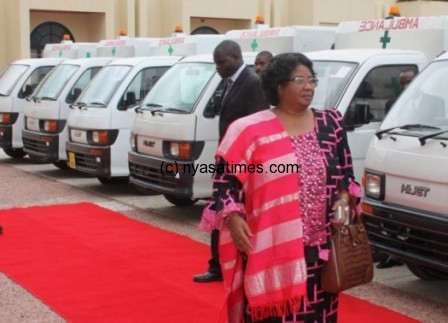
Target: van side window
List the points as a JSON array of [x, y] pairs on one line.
[[140, 86], [81, 84], [33, 80], [379, 86]]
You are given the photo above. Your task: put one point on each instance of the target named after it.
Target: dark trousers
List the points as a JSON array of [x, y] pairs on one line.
[[214, 266]]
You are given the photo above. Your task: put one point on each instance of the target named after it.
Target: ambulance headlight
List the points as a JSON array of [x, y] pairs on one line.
[[103, 137], [50, 126], [178, 149], [8, 118], [374, 184]]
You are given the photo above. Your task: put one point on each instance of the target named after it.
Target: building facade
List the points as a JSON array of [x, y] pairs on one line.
[[28, 25]]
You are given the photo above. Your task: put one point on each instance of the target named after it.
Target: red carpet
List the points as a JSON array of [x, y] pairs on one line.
[[90, 264]]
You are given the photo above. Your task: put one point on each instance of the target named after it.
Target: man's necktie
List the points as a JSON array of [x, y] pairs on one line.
[[227, 87]]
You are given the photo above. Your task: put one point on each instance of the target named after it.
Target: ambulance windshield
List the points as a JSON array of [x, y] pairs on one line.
[[103, 86], [10, 77], [423, 103], [333, 79], [180, 87], [55, 82]]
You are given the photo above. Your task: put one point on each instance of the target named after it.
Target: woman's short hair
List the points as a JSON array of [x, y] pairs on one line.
[[279, 70]]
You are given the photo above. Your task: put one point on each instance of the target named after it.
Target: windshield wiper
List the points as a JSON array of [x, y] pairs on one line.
[[96, 103], [422, 139], [78, 105], [147, 106], [48, 98], [169, 110], [380, 133]]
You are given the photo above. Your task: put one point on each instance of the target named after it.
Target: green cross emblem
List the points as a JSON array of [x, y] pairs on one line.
[[170, 50], [385, 39], [88, 55], [113, 51], [60, 53], [254, 45]]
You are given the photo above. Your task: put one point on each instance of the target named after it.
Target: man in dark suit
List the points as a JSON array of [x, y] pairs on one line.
[[242, 96]]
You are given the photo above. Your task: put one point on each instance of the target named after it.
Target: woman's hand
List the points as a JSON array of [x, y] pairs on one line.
[[240, 233]]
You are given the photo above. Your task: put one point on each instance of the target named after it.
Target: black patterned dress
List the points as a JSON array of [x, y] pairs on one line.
[[325, 170]]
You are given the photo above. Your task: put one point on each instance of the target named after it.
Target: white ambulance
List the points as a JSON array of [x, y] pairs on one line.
[[69, 50], [125, 46], [405, 205], [46, 133], [46, 112], [16, 83], [358, 82], [100, 121], [284, 39], [177, 124]]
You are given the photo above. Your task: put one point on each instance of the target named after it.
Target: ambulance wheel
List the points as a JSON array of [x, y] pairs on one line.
[[15, 153], [37, 160], [427, 273], [113, 180], [61, 164], [179, 201]]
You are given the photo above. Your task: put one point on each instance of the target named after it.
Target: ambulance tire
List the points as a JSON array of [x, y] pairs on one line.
[[37, 160], [179, 201], [16, 153], [61, 164], [113, 180], [427, 273]]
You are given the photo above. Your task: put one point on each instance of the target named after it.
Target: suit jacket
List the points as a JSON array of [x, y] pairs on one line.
[[244, 98]]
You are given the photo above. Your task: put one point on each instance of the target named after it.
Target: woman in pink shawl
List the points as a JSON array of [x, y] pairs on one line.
[[280, 175]]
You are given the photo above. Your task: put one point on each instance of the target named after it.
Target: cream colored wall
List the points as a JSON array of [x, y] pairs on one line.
[[423, 8], [220, 25], [81, 32], [149, 17], [158, 18], [93, 20], [3, 39], [233, 13], [331, 12]]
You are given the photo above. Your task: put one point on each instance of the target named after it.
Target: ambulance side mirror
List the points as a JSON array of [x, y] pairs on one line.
[[71, 97], [28, 90], [362, 113], [129, 100], [213, 107]]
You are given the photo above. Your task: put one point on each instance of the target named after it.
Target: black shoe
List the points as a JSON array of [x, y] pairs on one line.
[[207, 278], [389, 262]]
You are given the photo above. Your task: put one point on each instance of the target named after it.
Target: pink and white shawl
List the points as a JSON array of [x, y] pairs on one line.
[[274, 280]]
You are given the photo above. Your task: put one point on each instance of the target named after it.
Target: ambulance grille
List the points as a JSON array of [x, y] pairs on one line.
[[408, 236], [86, 161], [35, 145], [151, 175]]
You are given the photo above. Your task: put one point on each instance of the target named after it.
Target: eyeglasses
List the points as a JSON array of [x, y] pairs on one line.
[[300, 81]]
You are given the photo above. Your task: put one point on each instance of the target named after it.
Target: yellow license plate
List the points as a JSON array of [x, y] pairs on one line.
[[71, 160]]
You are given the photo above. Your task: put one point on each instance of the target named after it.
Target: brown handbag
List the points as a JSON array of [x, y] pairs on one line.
[[350, 263]]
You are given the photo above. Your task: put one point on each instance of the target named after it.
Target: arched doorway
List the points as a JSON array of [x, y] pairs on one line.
[[204, 30], [45, 33]]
